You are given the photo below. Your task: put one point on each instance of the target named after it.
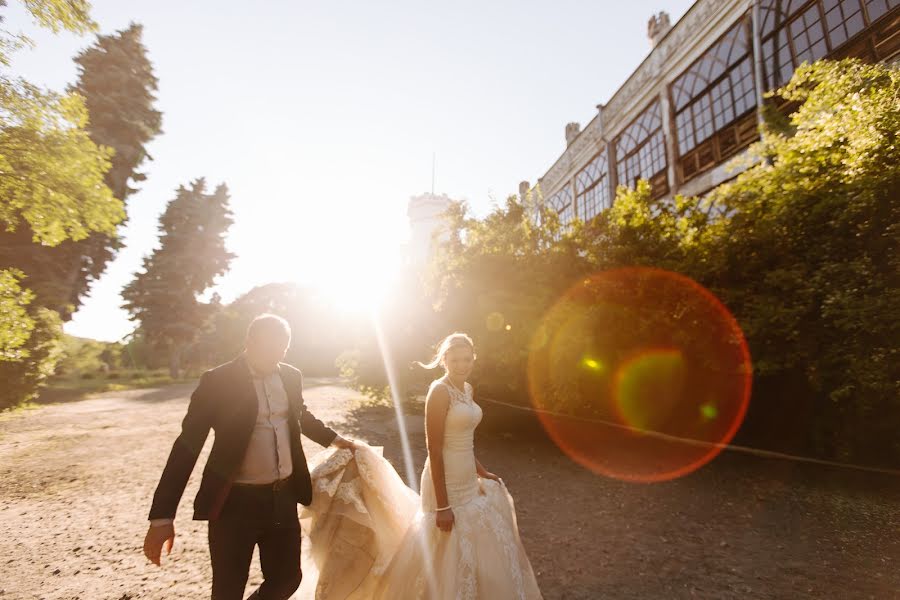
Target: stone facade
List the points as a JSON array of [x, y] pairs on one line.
[[866, 28]]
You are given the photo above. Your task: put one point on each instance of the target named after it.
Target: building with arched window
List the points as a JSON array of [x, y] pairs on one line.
[[693, 103]]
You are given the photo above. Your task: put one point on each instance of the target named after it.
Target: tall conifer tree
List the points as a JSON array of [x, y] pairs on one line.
[[164, 297]]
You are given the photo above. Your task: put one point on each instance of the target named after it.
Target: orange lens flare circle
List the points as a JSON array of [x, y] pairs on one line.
[[640, 374]]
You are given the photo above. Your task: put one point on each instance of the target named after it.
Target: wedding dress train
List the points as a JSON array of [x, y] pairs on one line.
[[373, 538]]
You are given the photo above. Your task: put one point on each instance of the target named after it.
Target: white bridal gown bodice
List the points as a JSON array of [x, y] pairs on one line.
[[460, 475]]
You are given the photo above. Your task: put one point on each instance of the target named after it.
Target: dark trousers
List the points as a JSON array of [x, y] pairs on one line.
[[263, 516]]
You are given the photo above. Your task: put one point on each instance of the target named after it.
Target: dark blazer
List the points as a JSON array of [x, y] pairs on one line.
[[225, 401]]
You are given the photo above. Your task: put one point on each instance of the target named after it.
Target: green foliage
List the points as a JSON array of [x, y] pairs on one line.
[[83, 356], [68, 387], [496, 281], [52, 173], [192, 253], [52, 185], [810, 257], [357, 372], [15, 323], [138, 353], [803, 247], [57, 15], [23, 378], [117, 84], [640, 230]]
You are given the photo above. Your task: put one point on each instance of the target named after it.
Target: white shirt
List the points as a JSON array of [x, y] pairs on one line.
[[268, 455]]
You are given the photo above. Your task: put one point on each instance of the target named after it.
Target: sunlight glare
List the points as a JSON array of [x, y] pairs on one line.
[[357, 283]]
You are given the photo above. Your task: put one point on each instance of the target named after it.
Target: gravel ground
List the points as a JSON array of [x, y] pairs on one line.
[[76, 481]]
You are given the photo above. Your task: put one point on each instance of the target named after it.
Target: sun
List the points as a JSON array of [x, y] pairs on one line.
[[357, 281], [349, 254]]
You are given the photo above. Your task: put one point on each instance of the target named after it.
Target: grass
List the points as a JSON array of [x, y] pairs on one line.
[[370, 398], [76, 386]]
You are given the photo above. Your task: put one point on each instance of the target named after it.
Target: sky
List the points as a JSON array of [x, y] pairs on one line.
[[323, 118]]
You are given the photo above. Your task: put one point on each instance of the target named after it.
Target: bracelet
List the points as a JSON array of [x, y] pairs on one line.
[[443, 509]]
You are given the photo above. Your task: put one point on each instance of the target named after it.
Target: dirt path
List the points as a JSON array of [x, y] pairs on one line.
[[76, 480]]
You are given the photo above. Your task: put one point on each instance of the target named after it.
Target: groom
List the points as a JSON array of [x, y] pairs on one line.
[[256, 472]]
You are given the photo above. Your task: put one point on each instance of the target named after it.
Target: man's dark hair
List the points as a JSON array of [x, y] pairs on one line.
[[268, 324]]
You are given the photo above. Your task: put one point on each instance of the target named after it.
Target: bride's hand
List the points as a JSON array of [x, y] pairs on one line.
[[488, 475], [444, 520]]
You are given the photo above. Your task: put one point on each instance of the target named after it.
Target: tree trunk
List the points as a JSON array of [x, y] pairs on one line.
[[175, 361]]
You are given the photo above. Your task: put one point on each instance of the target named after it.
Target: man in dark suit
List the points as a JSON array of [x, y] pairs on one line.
[[256, 472]]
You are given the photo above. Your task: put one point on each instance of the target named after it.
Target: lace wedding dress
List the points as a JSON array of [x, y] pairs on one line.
[[372, 538]]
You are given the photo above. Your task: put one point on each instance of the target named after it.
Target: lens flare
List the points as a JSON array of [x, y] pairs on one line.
[[640, 374], [495, 321], [648, 388]]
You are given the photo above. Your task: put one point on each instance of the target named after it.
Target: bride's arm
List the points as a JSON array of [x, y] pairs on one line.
[[484, 473], [436, 406]]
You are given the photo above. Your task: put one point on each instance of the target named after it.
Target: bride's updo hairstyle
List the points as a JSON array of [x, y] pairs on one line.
[[453, 340]]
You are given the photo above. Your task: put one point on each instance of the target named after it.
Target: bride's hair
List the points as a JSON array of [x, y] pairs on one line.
[[451, 341]]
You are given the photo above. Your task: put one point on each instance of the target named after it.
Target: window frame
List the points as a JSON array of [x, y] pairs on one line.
[[659, 180], [865, 43], [602, 182], [735, 134], [566, 211]]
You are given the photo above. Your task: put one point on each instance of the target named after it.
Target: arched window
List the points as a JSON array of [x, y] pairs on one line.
[[561, 202], [641, 151], [714, 102], [592, 187], [797, 31]]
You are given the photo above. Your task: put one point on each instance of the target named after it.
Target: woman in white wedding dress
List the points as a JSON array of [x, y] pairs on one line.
[[465, 541], [462, 542]]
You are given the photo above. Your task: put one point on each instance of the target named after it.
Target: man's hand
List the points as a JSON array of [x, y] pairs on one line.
[[344, 444], [156, 537]]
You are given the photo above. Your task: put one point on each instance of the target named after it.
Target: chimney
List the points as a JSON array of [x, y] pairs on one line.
[[572, 131], [657, 27]]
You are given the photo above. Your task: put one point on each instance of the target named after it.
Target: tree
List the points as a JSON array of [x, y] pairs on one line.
[[803, 248], [51, 173], [51, 183], [495, 280], [15, 324], [86, 356], [163, 298], [55, 15], [809, 258], [117, 83], [23, 377], [320, 332], [492, 279], [51, 189]]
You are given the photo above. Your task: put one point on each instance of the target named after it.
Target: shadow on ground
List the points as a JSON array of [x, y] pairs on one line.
[[740, 527]]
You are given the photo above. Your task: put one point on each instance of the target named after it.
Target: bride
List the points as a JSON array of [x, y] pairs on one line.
[[461, 541]]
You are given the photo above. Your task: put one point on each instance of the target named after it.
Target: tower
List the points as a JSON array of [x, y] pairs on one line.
[[427, 225]]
